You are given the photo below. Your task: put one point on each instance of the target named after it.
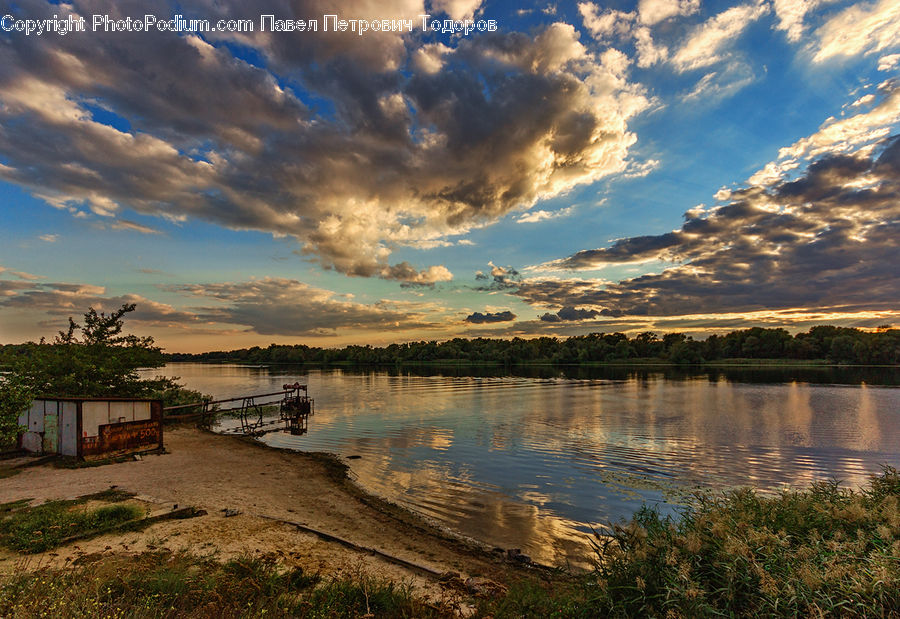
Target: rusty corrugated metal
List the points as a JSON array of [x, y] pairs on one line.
[[125, 437]]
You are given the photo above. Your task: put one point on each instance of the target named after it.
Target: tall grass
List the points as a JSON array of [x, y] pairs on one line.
[[822, 551]]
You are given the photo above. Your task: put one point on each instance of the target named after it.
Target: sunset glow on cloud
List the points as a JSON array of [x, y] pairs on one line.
[[667, 165]]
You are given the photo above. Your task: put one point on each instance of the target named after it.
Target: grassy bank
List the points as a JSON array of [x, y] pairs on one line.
[[824, 550], [44, 527]]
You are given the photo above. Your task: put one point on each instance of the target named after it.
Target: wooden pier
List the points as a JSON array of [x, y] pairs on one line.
[[293, 403]]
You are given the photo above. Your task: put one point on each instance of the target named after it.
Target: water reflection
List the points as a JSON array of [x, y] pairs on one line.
[[534, 461]]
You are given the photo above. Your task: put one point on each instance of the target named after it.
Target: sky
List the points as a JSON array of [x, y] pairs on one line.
[[533, 169]]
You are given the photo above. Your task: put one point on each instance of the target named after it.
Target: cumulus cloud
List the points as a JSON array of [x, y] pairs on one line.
[[708, 43], [826, 240], [603, 24], [49, 238], [501, 278], [475, 129], [406, 273], [479, 318], [864, 28], [610, 24], [654, 11]]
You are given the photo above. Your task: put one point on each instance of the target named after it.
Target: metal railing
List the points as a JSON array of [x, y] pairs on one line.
[[292, 407]]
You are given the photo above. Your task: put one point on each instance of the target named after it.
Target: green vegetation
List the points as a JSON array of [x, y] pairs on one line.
[[46, 526], [819, 345], [825, 549], [15, 397], [162, 584], [91, 360], [821, 551]]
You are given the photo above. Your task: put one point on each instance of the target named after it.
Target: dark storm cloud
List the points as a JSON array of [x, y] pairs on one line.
[[353, 145], [829, 239], [478, 318], [568, 314]]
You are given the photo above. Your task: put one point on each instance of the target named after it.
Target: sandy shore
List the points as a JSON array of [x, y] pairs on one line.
[[269, 487]]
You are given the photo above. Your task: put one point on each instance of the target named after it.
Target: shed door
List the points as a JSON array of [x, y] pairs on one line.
[[51, 428], [68, 428]]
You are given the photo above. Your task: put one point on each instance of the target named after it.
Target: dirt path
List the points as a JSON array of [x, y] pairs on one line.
[[215, 473]]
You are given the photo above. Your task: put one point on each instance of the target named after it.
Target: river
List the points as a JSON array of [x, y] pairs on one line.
[[538, 461]]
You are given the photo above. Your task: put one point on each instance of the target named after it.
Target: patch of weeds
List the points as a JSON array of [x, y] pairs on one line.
[[44, 527], [362, 596], [165, 584], [11, 506]]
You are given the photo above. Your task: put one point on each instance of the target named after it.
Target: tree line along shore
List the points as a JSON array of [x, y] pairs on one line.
[[824, 344]]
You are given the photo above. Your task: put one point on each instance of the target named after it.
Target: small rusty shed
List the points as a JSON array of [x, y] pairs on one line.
[[91, 428]]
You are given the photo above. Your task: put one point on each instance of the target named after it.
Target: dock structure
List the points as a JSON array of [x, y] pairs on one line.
[[293, 403]]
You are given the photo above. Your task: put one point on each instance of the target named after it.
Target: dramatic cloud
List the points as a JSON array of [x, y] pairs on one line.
[[322, 137], [269, 306], [287, 307], [478, 318], [59, 300], [827, 240]]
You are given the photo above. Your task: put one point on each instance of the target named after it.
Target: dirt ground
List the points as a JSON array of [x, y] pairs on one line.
[[267, 487]]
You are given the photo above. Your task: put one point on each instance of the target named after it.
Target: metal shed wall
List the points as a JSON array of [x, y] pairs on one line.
[[92, 428]]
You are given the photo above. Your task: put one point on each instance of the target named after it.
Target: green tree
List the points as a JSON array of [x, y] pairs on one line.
[[95, 359], [15, 398]]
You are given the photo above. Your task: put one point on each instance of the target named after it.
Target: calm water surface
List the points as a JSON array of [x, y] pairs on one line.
[[534, 462]]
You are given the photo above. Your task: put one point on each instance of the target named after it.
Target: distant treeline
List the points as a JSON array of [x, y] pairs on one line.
[[826, 343]]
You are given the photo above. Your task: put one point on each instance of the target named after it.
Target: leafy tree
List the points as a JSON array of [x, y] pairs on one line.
[[95, 359], [15, 397]]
